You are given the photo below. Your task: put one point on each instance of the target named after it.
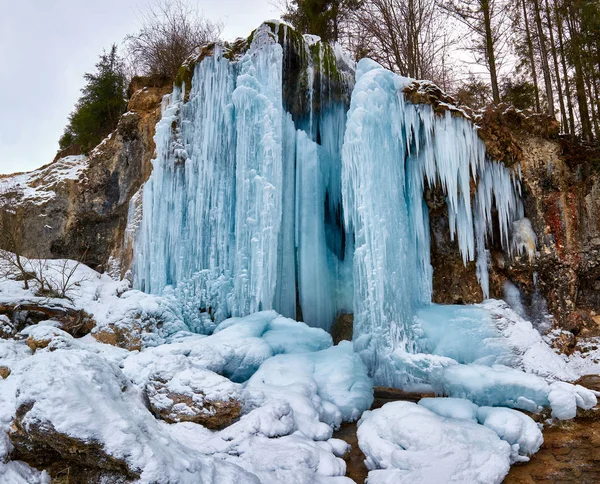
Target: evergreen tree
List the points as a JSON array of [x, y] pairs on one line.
[[100, 106]]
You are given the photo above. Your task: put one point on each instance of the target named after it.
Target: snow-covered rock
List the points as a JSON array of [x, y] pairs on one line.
[[180, 394]]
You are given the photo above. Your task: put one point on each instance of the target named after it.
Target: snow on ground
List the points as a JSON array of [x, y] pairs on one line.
[[294, 387], [585, 360], [110, 302], [95, 392], [38, 186]]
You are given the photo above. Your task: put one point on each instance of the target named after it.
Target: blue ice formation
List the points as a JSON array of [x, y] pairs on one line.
[[311, 204]]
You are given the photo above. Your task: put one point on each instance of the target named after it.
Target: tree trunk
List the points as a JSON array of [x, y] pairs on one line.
[[531, 59], [586, 125], [489, 46], [544, 57], [563, 112], [563, 61]]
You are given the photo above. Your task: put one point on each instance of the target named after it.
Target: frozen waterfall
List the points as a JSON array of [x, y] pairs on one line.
[[281, 184]]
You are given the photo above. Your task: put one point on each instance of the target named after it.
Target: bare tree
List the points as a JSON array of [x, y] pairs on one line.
[[486, 20], [407, 36], [171, 31], [11, 235]]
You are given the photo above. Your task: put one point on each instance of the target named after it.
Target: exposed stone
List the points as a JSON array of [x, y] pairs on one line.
[[4, 372], [128, 337], [194, 395], [87, 217], [342, 328], [565, 342]]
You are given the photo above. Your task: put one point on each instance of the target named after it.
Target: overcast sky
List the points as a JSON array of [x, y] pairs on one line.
[[47, 45]]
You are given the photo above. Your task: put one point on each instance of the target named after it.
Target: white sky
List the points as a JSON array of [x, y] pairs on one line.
[[47, 45]]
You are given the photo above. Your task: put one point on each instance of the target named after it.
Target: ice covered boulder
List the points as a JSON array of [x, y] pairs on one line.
[[514, 427], [407, 443], [323, 388], [565, 398], [495, 385], [46, 335], [282, 334], [180, 394]]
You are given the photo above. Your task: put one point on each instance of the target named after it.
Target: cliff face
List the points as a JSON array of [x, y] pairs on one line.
[[76, 207], [561, 194]]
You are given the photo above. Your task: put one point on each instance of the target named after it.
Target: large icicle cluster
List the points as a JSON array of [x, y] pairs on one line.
[[272, 190], [242, 212], [391, 149]]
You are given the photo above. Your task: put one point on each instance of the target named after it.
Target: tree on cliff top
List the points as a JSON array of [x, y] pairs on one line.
[[171, 31], [100, 106]]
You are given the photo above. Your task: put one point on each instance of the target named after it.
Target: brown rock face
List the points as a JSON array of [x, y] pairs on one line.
[[342, 328], [570, 452], [87, 218], [40, 445], [128, 337], [4, 372]]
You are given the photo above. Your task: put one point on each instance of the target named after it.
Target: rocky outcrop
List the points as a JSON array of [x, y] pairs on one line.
[[16, 315], [77, 206], [561, 195], [194, 395], [41, 445]]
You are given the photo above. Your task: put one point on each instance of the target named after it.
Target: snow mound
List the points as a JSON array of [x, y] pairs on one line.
[[237, 348], [323, 388], [512, 426], [266, 443], [407, 443], [499, 385], [105, 409]]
